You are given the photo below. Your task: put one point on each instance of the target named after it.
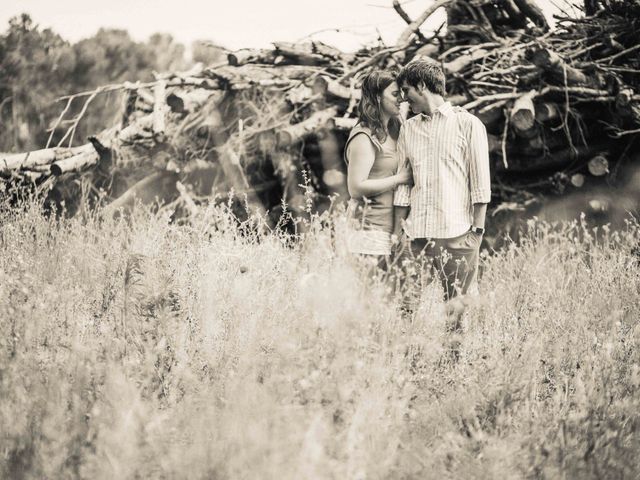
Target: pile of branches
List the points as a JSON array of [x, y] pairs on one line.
[[561, 106]]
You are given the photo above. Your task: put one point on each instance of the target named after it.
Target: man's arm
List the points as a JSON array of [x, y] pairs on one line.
[[479, 171]]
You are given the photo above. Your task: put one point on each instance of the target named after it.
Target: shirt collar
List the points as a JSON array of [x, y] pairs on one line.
[[444, 109]]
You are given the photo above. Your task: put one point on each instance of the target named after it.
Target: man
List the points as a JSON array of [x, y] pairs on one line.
[[449, 155]]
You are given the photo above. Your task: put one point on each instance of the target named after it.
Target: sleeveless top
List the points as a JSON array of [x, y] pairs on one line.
[[375, 212]]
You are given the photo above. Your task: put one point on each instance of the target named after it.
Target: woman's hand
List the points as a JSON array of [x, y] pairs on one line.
[[405, 175]]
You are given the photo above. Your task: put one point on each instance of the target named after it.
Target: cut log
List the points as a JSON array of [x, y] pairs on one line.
[[577, 180], [248, 55], [342, 123], [76, 163], [598, 165], [327, 86], [331, 53], [430, 50], [296, 132], [29, 160], [523, 114], [139, 129], [463, 61], [529, 133], [547, 112], [300, 55], [188, 101], [160, 109], [627, 106], [145, 96], [554, 160], [552, 63]]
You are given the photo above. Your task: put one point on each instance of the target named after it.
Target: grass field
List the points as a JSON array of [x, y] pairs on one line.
[[145, 349]]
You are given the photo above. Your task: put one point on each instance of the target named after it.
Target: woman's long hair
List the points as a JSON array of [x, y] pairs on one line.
[[369, 108]]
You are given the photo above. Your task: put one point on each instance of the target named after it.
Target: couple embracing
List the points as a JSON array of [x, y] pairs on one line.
[[419, 187]]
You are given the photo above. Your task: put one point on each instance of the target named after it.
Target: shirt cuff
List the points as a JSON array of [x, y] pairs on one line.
[[481, 196], [402, 196]]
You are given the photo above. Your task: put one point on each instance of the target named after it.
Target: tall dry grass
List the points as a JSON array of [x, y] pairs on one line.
[[145, 349]]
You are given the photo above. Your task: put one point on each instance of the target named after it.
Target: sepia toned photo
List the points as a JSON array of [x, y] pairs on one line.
[[292, 239]]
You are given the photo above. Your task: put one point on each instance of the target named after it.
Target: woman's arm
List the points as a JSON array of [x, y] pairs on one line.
[[362, 154]]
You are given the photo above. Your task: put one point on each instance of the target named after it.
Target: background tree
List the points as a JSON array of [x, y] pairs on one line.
[[37, 66]]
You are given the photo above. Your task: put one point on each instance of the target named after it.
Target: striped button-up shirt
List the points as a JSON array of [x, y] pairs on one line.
[[449, 157]]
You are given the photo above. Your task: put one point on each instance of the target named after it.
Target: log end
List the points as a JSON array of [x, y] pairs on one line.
[[56, 170], [232, 58], [598, 166]]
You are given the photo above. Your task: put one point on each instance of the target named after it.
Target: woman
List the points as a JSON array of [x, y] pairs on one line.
[[372, 172]]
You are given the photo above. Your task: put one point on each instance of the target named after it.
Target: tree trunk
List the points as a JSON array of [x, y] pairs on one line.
[[76, 163], [29, 160], [294, 133], [248, 55], [159, 112], [188, 101], [329, 87], [551, 62], [533, 12], [463, 61]]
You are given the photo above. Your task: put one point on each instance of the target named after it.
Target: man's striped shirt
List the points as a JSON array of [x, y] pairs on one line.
[[449, 156]]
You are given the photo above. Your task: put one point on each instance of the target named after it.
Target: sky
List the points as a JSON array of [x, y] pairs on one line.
[[232, 23]]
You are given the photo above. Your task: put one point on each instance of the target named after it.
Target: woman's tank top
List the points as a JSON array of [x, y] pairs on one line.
[[376, 212]]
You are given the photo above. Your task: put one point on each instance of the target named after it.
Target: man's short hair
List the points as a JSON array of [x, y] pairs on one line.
[[429, 74]]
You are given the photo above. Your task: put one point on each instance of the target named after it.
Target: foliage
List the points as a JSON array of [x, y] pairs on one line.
[[37, 67], [140, 348]]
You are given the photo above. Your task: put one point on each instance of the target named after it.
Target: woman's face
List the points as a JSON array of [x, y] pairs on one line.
[[390, 100]]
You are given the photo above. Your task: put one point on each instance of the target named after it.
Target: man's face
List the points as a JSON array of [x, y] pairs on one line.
[[415, 97]]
